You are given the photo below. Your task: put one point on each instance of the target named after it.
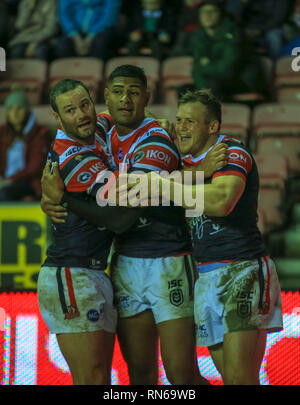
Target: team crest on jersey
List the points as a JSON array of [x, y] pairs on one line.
[[84, 177], [244, 309], [176, 297]]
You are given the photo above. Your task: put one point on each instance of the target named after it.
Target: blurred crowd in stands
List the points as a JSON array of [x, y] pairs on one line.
[[224, 39], [50, 29]]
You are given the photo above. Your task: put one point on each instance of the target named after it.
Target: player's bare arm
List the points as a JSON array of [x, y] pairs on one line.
[[220, 197]]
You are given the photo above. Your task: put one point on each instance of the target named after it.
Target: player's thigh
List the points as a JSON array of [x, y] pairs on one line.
[[243, 352], [177, 343], [87, 351], [138, 339], [76, 300]]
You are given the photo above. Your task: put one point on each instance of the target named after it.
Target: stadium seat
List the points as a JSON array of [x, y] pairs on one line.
[[254, 98], [89, 70], [2, 115], [236, 121], [150, 65], [163, 111], [175, 72], [100, 108], [276, 129], [287, 81], [272, 169], [44, 117], [270, 201], [288, 95], [31, 73], [261, 223], [267, 66]]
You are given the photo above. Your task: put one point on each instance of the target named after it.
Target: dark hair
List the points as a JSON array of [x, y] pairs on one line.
[[128, 71], [62, 87], [207, 98], [215, 3]]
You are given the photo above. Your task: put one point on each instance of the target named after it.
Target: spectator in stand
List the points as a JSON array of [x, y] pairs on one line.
[[262, 21], [223, 61], [216, 49], [152, 27], [186, 25], [88, 27], [291, 30], [24, 145], [5, 14], [36, 24]]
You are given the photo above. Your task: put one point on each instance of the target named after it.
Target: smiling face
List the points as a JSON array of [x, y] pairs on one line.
[[126, 98], [193, 129], [76, 115]]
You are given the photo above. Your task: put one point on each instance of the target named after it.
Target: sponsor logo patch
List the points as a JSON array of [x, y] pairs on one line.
[[201, 330], [93, 315], [139, 156]]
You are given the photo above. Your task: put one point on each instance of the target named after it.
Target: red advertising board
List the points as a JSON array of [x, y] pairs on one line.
[[29, 354]]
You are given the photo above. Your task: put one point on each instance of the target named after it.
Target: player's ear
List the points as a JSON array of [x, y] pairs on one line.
[[55, 115], [148, 95], [106, 94], [214, 127]]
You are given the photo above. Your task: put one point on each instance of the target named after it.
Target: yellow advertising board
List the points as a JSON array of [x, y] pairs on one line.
[[23, 242]]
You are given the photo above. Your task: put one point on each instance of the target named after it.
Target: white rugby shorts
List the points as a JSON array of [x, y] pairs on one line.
[[74, 300], [163, 285], [242, 295]]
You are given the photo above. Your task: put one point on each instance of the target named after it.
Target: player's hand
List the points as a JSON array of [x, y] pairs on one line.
[[168, 126], [55, 212], [138, 190], [123, 185], [52, 184], [217, 157]]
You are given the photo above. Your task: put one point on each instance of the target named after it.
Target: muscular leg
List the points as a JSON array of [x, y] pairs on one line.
[[139, 344], [88, 355], [178, 351], [239, 358]]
